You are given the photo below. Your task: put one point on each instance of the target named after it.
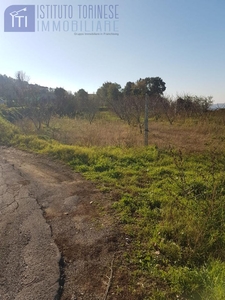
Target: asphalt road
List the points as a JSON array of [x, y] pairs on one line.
[[29, 258], [57, 236]]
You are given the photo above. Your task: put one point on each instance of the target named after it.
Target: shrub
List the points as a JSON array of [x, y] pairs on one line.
[[7, 132]]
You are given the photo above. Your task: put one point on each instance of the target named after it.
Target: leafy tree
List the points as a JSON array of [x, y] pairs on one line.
[[129, 103], [82, 99], [60, 96], [134, 97], [109, 93], [88, 105], [65, 103], [151, 86], [128, 89]]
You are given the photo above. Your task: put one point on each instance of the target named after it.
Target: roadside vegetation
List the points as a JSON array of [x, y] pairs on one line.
[[167, 198]]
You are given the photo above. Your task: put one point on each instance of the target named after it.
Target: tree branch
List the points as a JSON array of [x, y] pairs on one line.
[[110, 279]]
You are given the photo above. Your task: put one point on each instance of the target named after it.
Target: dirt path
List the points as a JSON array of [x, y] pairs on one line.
[[55, 243]]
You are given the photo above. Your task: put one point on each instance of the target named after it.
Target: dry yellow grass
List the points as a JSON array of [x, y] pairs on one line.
[[100, 133], [188, 135]]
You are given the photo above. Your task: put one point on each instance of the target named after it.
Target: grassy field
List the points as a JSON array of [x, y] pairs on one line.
[[168, 198], [187, 134]]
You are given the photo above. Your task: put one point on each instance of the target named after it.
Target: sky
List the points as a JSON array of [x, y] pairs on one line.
[[180, 41]]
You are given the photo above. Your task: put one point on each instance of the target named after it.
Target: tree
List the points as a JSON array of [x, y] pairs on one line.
[[168, 108], [190, 106], [22, 77], [39, 106], [21, 88], [65, 103], [60, 96], [88, 105], [82, 99], [135, 98], [92, 108], [151, 86], [128, 89], [109, 93], [7, 90], [129, 103], [30, 101]]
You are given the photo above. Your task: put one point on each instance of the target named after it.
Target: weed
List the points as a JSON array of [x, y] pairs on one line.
[[170, 203]]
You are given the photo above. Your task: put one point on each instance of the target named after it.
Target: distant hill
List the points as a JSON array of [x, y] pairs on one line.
[[217, 106]]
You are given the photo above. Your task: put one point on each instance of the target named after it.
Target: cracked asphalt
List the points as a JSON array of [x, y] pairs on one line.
[[28, 255], [57, 235]]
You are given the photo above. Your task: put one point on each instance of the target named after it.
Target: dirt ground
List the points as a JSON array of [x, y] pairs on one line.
[[81, 223]]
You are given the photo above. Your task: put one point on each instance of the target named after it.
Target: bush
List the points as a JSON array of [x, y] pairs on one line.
[[7, 132]]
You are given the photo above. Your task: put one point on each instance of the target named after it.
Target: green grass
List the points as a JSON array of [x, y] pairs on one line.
[[170, 205], [7, 131]]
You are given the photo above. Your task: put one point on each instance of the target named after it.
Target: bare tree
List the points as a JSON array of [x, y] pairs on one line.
[[22, 77]]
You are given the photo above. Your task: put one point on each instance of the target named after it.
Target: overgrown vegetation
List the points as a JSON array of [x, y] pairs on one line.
[[168, 198], [38, 104], [171, 206]]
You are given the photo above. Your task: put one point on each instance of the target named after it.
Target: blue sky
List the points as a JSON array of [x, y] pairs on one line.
[[181, 41]]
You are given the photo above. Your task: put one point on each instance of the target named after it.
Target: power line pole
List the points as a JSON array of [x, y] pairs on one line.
[[146, 119]]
